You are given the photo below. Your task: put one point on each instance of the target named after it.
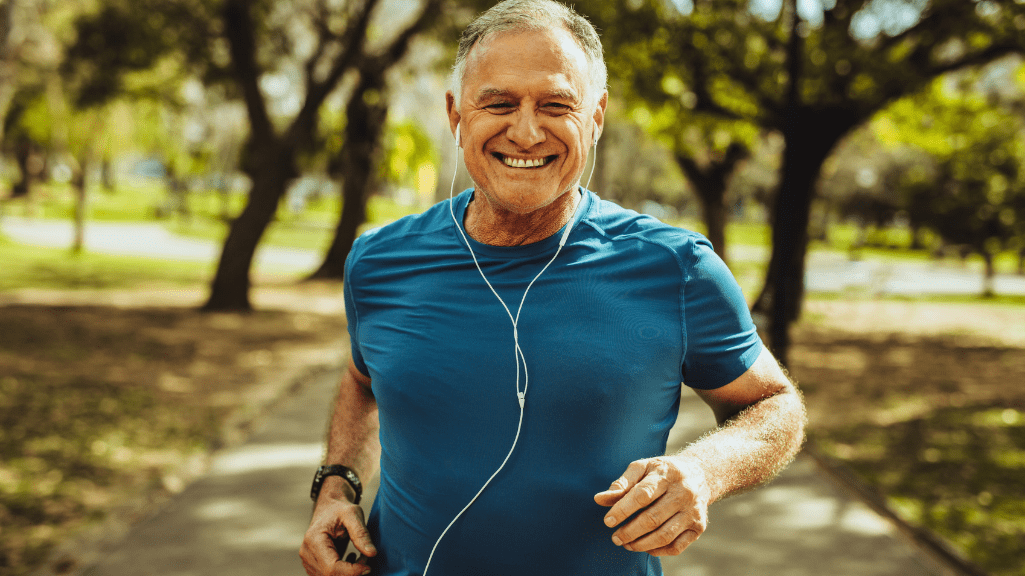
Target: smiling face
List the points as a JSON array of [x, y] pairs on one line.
[[526, 117]]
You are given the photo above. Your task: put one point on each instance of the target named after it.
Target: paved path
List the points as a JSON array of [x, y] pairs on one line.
[[246, 517], [827, 271], [151, 240]]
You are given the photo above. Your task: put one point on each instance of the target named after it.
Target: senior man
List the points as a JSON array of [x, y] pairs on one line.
[[518, 350]]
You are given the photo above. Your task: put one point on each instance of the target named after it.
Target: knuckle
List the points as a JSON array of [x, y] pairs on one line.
[[648, 520], [646, 493]]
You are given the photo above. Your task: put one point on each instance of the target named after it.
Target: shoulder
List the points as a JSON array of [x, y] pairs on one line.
[[402, 232], [621, 226]]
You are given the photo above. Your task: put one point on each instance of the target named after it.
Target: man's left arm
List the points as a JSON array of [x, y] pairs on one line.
[[761, 428]]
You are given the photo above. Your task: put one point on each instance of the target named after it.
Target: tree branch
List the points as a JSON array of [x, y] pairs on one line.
[[238, 29], [352, 41], [397, 49], [324, 36]]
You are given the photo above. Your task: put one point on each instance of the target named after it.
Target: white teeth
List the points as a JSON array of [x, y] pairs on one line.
[[521, 163]]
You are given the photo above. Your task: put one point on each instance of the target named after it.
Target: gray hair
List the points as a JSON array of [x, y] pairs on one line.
[[528, 15]]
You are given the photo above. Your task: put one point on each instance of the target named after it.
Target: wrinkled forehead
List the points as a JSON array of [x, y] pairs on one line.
[[552, 52]]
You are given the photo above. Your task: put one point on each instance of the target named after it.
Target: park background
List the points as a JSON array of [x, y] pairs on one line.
[[181, 181]]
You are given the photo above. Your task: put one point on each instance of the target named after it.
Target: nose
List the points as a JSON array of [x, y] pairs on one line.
[[525, 131]]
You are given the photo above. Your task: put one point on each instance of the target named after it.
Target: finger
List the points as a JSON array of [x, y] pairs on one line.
[[649, 521], [633, 474], [319, 549], [642, 495], [682, 542], [654, 527], [356, 528], [347, 569]]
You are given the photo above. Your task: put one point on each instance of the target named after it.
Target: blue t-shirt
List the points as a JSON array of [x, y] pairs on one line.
[[629, 309]]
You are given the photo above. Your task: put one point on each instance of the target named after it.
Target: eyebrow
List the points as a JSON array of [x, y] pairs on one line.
[[486, 93]]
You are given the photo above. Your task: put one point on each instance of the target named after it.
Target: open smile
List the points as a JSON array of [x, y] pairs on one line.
[[525, 162]]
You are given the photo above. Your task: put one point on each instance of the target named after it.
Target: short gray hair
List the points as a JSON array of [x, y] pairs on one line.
[[527, 15]]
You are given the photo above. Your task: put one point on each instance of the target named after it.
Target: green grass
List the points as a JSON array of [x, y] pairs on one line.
[[957, 472], [995, 300], [35, 267]]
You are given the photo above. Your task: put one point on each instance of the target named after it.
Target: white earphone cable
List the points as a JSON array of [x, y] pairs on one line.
[[520, 396]]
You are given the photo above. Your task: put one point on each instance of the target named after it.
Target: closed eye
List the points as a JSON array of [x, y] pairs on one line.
[[500, 107], [556, 107]]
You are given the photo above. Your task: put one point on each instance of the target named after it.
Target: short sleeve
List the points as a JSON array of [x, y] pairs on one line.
[[351, 311], [721, 339]]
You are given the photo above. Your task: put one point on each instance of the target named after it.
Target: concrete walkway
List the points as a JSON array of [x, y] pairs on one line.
[[246, 517], [150, 240]]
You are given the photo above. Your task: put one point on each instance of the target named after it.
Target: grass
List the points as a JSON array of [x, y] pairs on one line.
[[35, 267], [934, 423]]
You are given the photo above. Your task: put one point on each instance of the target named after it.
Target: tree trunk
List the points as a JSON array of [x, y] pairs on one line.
[[107, 176], [710, 183], [78, 183], [989, 273], [22, 154], [230, 287], [714, 214], [357, 161], [806, 150]]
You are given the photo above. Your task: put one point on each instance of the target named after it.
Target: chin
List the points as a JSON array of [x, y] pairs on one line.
[[522, 203]]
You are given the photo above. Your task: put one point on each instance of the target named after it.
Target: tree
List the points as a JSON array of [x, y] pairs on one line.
[[813, 76], [357, 161], [244, 46], [655, 80], [976, 194]]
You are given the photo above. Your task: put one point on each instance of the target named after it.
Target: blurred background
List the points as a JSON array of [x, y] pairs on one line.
[[181, 181]]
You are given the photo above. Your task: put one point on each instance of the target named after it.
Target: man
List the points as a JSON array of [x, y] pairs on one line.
[[520, 347]]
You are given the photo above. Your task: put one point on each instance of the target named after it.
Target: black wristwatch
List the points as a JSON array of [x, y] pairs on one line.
[[336, 470]]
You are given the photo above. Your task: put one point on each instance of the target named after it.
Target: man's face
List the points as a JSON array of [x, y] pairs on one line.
[[526, 117]]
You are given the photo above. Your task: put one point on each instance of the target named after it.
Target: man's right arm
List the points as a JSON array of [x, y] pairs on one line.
[[352, 442]]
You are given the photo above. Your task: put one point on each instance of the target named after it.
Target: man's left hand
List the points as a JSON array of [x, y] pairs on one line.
[[670, 497]]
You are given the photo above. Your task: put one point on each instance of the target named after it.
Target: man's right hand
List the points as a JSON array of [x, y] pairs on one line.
[[335, 521]]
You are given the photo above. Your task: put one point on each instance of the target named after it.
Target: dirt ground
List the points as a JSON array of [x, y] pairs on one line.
[[110, 400], [924, 403]]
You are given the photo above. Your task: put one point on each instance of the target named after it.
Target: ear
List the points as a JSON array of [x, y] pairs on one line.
[[599, 115], [453, 116]]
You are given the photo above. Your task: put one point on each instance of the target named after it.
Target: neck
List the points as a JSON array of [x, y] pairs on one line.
[[490, 224]]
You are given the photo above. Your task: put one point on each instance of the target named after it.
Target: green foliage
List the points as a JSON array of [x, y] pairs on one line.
[[410, 159], [975, 195], [661, 62], [125, 37]]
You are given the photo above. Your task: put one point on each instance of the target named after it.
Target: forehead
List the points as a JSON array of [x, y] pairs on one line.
[[549, 60]]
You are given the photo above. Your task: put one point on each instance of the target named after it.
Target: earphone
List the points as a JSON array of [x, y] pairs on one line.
[[521, 397]]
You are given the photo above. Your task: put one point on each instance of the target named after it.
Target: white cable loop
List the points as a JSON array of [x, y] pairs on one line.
[[518, 352]]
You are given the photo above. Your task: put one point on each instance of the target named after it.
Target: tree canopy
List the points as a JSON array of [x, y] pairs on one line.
[[812, 72]]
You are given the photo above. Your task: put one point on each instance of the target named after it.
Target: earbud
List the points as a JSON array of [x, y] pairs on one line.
[[595, 142], [458, 143]]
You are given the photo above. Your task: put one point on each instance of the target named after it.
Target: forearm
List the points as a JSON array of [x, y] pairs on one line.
[[750, 447], [353, 436]]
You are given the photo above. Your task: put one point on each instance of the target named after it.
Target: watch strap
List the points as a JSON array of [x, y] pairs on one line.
[[336, 470]]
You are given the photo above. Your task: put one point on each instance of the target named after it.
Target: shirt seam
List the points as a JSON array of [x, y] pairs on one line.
[[679, 266]]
